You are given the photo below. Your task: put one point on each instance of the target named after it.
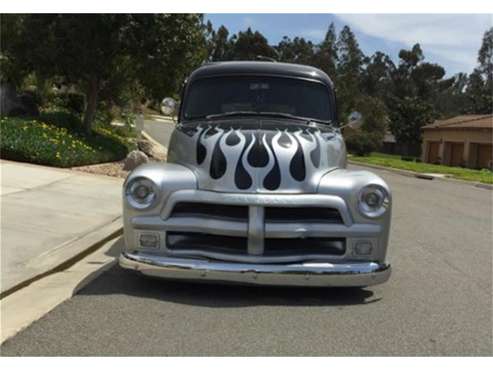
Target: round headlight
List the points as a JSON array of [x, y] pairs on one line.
[[141, 193], [373, 201]]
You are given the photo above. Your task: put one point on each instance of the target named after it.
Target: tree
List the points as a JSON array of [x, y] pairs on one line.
[[101, 54], [412, 96], [374, 124], [374, 117], [480, 85], [247, 45], [326, 55], [349, 71], [407, 117], [164, 49], [220, 45], [453, 101], [11, 71], [485, 58], [377, 75], [297, 50]]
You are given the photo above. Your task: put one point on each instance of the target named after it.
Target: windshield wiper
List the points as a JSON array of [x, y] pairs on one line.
[[272, 114], [289, 115], [233, 113]]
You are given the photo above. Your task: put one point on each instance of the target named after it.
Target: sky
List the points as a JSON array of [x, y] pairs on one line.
[[451, 40]]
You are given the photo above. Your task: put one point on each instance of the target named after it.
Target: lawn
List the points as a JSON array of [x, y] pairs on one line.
[[57, 139], [395, 161]]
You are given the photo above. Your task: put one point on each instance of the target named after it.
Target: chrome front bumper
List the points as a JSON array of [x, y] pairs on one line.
[[322, 274]]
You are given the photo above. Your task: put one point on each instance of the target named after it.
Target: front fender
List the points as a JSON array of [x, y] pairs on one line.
[[347, 184], [168, 178]]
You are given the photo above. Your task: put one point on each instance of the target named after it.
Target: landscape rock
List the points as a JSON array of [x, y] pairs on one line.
[[153, 150], [135, 158]]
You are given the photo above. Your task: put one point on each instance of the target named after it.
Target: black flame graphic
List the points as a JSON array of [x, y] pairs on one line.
[[242, 178], [273, 179], [218, 162], [256, 154], [201, 150], [297, 165]]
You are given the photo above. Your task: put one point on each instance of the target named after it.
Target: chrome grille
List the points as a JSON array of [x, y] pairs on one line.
[[215, 228]]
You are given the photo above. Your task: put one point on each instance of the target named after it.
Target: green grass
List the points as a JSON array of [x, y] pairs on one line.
[[57, 139], [395, 161]]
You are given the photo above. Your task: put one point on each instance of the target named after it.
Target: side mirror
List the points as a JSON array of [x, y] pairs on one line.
[[168, 106]]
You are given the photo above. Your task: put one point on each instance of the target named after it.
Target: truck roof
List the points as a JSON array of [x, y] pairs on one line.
[[261, 68]]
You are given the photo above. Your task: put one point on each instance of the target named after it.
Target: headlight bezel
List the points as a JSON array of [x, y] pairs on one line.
[[383, 204], [143, 203]]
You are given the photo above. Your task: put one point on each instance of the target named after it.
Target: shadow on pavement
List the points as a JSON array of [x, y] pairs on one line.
[[119, 281]]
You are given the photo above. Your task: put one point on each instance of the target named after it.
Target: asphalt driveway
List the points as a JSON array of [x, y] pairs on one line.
[[437, 302]]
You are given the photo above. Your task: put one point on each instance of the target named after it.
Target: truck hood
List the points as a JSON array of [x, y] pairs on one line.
[[257, 155]]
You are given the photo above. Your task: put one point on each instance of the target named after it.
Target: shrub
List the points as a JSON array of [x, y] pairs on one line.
[[72, 102], [361, 143], [61, 119], [54, 143]]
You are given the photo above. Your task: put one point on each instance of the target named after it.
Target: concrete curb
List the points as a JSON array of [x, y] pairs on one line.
[[67, 254], [423, 176], [27, 305]]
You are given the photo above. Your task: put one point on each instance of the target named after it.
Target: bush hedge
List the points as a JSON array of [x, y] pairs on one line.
[[361, 143], [56, 139]]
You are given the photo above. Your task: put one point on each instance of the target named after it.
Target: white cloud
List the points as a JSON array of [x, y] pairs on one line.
[[453, 37]]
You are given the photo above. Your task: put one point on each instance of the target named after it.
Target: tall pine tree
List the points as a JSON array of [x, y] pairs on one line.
[[349, 71], [326, 55], [480, 87]]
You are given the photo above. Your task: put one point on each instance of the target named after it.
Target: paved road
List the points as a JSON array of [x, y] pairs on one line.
[[438, 301], [159, 130]]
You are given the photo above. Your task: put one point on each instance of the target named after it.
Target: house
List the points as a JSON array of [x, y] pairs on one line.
[[465, 141]]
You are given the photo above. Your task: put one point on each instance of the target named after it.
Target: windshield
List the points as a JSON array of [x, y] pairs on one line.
[[289, 96]]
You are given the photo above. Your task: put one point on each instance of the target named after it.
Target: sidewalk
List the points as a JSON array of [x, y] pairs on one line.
[[49, 216]]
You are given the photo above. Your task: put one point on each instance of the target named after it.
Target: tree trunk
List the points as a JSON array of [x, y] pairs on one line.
[[92, 103]]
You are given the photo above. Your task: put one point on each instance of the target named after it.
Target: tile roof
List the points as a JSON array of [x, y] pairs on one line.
[[465, 121]]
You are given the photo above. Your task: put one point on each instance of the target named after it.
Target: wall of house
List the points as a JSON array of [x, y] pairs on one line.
[[473, 140]]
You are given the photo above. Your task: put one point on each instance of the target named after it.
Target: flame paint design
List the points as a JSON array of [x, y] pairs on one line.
[[254, 159]]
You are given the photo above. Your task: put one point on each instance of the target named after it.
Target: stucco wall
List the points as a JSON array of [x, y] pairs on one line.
[[445, 137]]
